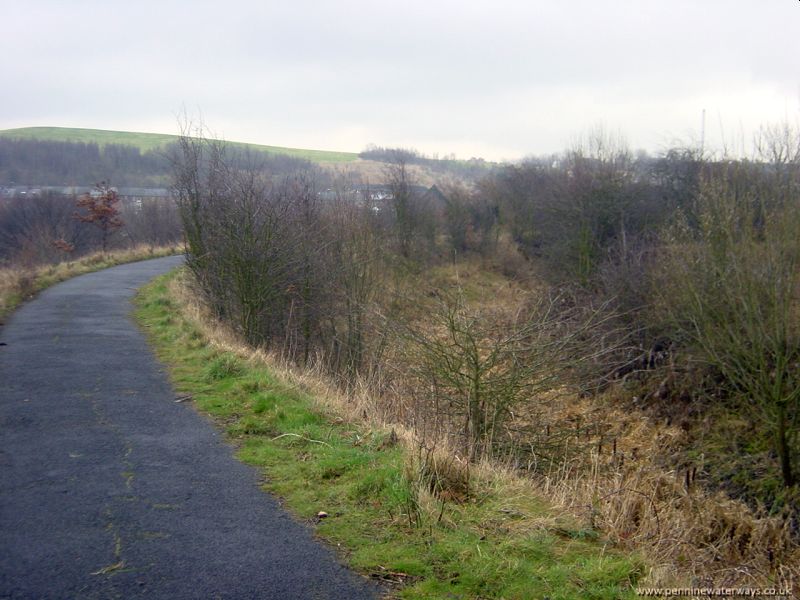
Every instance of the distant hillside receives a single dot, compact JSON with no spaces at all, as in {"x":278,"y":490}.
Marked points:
{"x":152,"y":141}
{"x":62,"y":156}
{"x":37,"y":163}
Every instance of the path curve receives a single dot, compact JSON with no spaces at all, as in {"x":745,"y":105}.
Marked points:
{"x":110,"y":489}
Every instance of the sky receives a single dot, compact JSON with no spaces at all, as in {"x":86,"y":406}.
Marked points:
{"x":499,"y":80}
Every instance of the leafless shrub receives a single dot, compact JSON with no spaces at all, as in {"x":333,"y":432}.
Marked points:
{"x":414,"y":222}
{"x":30,"y":226}
{"x":153,"y":221}
{"x":730,"y":287}
{"x":469,"y":370}
{"x":294,"y":269}
{"x":470,"y":219}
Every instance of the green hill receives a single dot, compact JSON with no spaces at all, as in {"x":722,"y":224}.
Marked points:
{"x":150,"y":141}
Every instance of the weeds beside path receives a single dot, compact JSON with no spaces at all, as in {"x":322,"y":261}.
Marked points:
{"x":360,"y":487}
{"x":18,"y":284}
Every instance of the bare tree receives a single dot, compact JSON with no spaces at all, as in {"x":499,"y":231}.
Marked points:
{"x":235,"y":221}
{"x":469,"y":218}
{"x":414,"y":223}
{"x":729,"y":286}
{"x":290,"y":267}
{"x":402,"y":203}
{"x":30,"y":226}
{"x":359,"y":257}
{"x":478,"y":368}
{"x":153,"y":221}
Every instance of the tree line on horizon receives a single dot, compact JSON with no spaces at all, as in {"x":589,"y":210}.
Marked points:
{"x":55,"y":163}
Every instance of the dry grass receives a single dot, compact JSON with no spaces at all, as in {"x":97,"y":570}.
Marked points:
{"x":397,"y":509}
{"x":688,"y":534}
{"x":616,"y":472}
{"x":373,"y":171}
{"x":437,"y":471}
{"x":615,"y":485}
{"x":18,"y":284}
{"x":355,"y":406}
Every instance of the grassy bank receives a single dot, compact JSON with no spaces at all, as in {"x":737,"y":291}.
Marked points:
{"x":425,"y":526}
{"x":18,"y":284}
{"x":153,"y":141}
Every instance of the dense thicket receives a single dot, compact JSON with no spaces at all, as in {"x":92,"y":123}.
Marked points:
{"x":700,"y":258}
{"x":47,"y":228}
{"x":676,"y":276}
{"x":289,"y":271}
{"x":29,"y":229}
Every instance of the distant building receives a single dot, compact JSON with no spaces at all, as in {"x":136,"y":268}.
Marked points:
{"x":378,"y":196}
{"x":134,"y":194}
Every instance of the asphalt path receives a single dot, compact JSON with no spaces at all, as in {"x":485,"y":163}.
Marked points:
{"x":111,"y":489}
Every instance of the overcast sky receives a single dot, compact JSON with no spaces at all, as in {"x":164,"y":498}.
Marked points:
{"x":500,"y":79}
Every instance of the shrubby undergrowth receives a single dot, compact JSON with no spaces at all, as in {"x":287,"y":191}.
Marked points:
{"x":673,"y":278}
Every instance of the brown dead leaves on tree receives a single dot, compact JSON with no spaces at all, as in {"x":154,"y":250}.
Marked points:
{"x":102,"y":211}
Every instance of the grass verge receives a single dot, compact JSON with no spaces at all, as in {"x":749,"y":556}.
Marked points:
{"x":501,"y":540}
{"x":18,"y":284}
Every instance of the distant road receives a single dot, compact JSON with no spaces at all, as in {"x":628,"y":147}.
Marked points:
{"x":110,"y":489}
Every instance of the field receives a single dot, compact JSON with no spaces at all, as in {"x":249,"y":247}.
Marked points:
{"x":152,"y":141}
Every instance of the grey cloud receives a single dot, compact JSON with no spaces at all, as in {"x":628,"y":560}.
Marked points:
{"x":505,"y":74}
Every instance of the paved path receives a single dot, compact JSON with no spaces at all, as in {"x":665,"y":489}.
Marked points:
{"x":109,"y":489}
